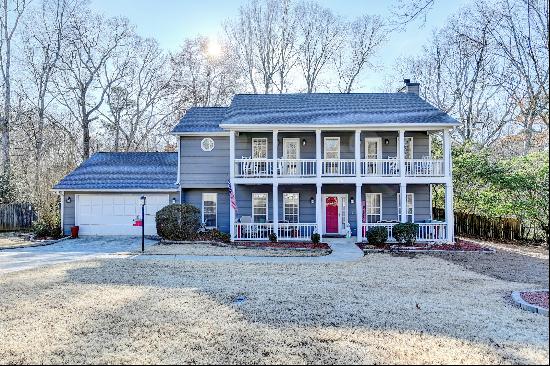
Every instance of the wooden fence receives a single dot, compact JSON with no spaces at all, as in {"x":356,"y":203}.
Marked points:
{"x":477,"y":226}
{"x":16,"y":216}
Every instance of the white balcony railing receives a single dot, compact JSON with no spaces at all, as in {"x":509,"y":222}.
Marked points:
{"x":296,"y":167}
{"x":380,"y":167}
{"x":424,"y":168}
{"x":253,"y":231}
{"x":433,"y":231}
{"x":297,"y":231}
{"x":338,"y":167}
{"x":253,"y":168}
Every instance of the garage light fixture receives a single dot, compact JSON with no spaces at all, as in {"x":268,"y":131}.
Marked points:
{"x":68,"y":199}
{"x":174,"y":200}
{"x":312,"y":200}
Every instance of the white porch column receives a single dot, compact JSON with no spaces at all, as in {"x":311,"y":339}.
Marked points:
{"x":318,"y":154}
{"x":449,"y":212}
{"x":275,"y":147}
{"x":447,"y":152}
{"x":319,"y":210}
{"x":401,"y":154}
{"x":232,"y":182}
{"x":403,"y":202}
{"x":62,"y":213}
{"x":276,"y":209}
{"x":357,"y":153}
{"x":359,"y":211}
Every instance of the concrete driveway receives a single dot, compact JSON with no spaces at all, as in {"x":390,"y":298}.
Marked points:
{"x":67,"y":251}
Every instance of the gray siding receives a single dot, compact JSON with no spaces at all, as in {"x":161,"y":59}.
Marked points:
{"x":422,"y":204}
{"x":198,"y":168}
{"x":194,"y":197}
{"x":421,"y":143}
{"x":68,"y":213}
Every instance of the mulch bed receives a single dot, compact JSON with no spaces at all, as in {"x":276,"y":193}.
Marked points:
{"x":281,"y":245}
{"x":538,"y":298}
{"x":460,"y":246}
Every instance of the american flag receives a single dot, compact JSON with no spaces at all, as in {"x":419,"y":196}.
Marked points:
{"x":232,"y":198}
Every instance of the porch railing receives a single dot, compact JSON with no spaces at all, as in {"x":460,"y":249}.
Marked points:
{"x":253,"y":231}
{"x":380,"y":167}
{"x":338,"y":167}
{"x":424,"y":168}
{"x":297,"y":231}
{"x":296,"y":167}
{"x":433,"y":231}
{"x":253,"y":168}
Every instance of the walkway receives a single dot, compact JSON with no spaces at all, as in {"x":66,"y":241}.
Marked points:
{"x":343,"y":250}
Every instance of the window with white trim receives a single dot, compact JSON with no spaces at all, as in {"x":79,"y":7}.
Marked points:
{"x":207,"y":144}
{"x":210,"y":209}
{"x":410,"y":207}
{"x":409,"y":143}
{"x":259,"y":207}
{"x":259,"y":148}
{"x":291,"y":206}
{"x":373,"y":207}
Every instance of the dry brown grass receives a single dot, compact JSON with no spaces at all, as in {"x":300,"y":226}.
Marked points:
{"x":382,"y":309}
{"x":217,"y":250}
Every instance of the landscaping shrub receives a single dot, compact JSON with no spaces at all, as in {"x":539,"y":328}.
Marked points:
{"x":315,"y":238}
{"x":377,"y":235}
{"x":272,"y":237}
{"x":178,"y":222}
{"x":47,"y":226}
{"x":405,"y":233}
{"x":215,"y":235}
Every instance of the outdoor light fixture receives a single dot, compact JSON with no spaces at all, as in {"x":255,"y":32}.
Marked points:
{"x":312,"y":200}
{"x":68,"y":199}
{"x":143,"y":199}
{"x":352,"y":200}
{"x":386,"y":141}
{"x":304,"y":142}
{"x":174,"y":200}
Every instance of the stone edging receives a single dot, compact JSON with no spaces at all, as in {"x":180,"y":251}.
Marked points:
{"x":518,"y":300}
{"x":42,"y":243}
{"x":492,"y":251}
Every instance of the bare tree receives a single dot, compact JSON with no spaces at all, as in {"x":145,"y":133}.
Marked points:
{"x":93,"y":42}
{"x":11,"y":13}
{"x":320,"y":38}
{"x":364,"y":37}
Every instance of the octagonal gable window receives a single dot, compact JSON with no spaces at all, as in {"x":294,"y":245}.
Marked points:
{"x":207,"y":144}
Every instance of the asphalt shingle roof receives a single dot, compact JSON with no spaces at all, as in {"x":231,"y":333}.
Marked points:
{"x":333,"y":108}
{"x":201,"y":119}
{"x":124,"y":170}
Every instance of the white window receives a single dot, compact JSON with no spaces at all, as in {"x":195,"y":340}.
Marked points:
{"x":291,"y":204}
{"x":409,"y":142}
{"x":210,"y":209}
{"x":259,"y":148}
{"x":373,"y":207}
{"x":332,"y":147}
{"x":373,"y":148}
{"x":410,"y":207}
{"x":259,"y":207}
{"x":207,"y":144}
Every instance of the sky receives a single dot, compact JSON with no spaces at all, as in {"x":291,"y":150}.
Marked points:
{"x":171,"y":21}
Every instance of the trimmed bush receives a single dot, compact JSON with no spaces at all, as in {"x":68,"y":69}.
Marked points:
{"x":220,"y":236}
{"x":315,"y":238}
{"x":272,"y":237}
{"x":377,"y":235}
{"x":47,"y":226}
{"x":178,"y":222}
{"x":405,"y":233}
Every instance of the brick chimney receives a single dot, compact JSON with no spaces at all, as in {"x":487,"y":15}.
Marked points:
{"x":411,"y":87}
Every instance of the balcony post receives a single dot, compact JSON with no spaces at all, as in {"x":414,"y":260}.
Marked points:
{"x":403,"y":202}
{"x":275,"y":147}
{"x":318,"y":161}
{"x":401,"y":154}
{"x":359,"y":211}
{"x":449,"y":212}
{"x":447,"y":152}
{"x":357,"y":153}
{"x":276,"y":209}
{"x":319,"y":210}
{"x":232,"y":182}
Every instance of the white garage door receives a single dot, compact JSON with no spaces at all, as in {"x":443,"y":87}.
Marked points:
{"x":114,"y":214}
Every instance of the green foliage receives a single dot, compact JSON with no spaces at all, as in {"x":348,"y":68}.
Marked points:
{"x":178,"y":222}
{"x":7,"y":189}
{"x":516,"y":187}
{"x":272,"y":237}
{"x":219,"y":236}
{"x":48,"y":225}
{"x":315,"y":238}
{"x":405,"y":232}
{"x":377,"y":235}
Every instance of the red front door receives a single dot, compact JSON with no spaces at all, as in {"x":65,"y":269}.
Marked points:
{"x":331,"y":215}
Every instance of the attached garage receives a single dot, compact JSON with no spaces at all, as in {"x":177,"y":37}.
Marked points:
{"x":103,"y":195}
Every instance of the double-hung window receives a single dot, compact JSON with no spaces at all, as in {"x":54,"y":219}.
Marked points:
{"x":259,"y":148}
{"x":210,"y":209}
{"x":259,"y":207}
{"x":410,"y":207}
{"x":373,"y":207}
{"x":409,"y":143}
{"x":291,"y":203}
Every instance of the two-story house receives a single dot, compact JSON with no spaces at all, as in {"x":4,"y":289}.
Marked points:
{"x":336,"y":164}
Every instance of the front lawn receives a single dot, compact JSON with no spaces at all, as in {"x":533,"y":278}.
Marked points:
{"x":264,"y":249}
{"x":381,"y":309}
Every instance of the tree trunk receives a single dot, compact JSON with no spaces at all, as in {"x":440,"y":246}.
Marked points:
{"x":85,"y":138}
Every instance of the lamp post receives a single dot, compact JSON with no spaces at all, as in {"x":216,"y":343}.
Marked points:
{"x":143,"y":199}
